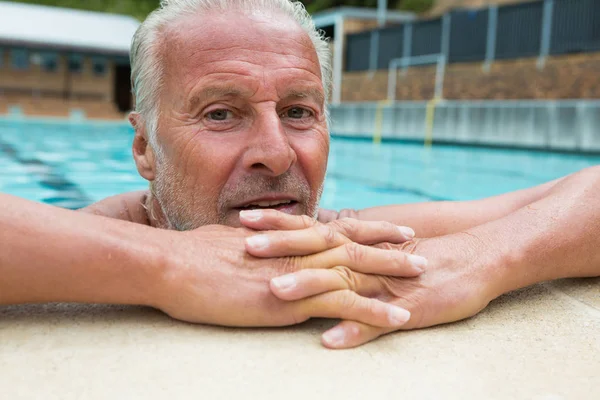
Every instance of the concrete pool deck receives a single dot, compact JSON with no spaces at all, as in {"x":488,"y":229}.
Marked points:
{"x":542,"y":343}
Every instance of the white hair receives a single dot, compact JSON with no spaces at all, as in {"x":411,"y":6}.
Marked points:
{"x":147,"y":66}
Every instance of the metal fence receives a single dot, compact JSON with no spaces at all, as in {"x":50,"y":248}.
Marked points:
{"x":530,"y":29}
{"x":545,"y":125}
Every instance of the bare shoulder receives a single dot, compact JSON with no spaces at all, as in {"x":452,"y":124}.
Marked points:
{"x":126,"y":206}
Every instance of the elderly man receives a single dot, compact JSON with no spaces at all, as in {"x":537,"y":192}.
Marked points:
{"x":231,"y":133}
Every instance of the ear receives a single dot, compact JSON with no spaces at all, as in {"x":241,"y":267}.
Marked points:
{"x":143,"y":154}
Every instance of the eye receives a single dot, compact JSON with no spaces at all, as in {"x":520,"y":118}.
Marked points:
{"x":297,"y":113}
{"x":219,"y":115}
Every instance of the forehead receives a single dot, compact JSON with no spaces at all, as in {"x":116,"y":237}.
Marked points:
{"x":256,"y":46}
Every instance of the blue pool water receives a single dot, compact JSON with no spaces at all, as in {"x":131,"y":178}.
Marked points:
{"x":72,"y":165}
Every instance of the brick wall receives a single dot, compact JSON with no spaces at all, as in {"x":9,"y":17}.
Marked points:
{"x":87,"y":83}
{"x":565,"y":77}
{"x":34,"y":78}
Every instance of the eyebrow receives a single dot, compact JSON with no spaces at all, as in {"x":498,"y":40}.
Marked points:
{"x":214,"y":92}
{"x":314,"y":93}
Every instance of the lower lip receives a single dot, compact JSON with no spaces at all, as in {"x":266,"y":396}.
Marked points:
{"x":289,"y":208}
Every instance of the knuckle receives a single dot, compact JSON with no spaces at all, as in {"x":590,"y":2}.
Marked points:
{"x":328,"y":234}
{"x":355,"y":252}
{"x":348,"y":213}
{"x":348,"y":300}
{"x":307,"y":222}
{"x":327,"y":215}
{"x":346,"y":226}
{"x":348,"y":277}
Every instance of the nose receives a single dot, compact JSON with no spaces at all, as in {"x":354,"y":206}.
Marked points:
{"x":269,"y":151}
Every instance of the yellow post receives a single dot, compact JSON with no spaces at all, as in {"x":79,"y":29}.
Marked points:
{"x":377,"y":133}
{"x":429,"y":119}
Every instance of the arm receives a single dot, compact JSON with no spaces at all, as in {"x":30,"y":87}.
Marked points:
{"x":556,"y":236}
{"x":126,"y":207}
{"x":445,"y":217}
{"x":48,"y":254}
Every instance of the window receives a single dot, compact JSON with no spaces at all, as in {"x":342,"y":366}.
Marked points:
{"x":99,"y":65}
{"x":76,"y":63}
{"x":49,"y":62}
{"x":20,"y":59}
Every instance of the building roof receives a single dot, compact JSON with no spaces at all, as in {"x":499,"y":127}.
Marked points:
{"x":328,"y":17}
{"x":62,"y":28}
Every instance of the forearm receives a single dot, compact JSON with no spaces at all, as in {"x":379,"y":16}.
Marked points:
{"x":49,"y":254}
{"x":446,"y":217}
{"x":129,"y":207}
{"x":556,"y":237}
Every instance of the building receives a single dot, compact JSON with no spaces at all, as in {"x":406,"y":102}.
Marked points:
{"x":342,"y":21}
{"x":55,"y":60}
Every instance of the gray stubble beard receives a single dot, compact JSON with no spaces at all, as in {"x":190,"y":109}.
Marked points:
{"x":173,"y":211}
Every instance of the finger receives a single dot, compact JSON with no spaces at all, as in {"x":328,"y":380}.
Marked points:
{"x":321,"y":237}
{"x":295,"y":243}
{"x":326,"y":216}
{"x":365,"y":259}
{"x":311,"y":282}
{"x":268,"y":219}
{"x":372,"y":232}
{"x":349,"y":334}
{"x":345,"y":304}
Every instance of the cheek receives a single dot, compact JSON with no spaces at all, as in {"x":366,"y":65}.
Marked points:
{"x":205,"y":164}
{"x":312,"y":155}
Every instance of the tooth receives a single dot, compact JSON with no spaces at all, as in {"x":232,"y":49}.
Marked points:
{"x":270,"y":203}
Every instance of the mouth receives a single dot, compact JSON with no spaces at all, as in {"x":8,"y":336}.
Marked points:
{"x":281,"y":204}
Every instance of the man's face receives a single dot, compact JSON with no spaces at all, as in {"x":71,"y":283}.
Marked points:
{"x":242,"y":123}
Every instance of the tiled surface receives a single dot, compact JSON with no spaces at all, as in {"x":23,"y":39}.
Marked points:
{"x":531,"y":344}
{"x":585,"y":291}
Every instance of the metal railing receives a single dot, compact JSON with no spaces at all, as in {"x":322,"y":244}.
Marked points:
{"x":569,"y":125}
{"x":530,"y":29}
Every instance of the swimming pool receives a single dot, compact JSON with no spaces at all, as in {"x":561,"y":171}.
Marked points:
{"x":74,"y":164}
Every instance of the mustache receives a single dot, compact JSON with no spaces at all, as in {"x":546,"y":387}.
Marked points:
{"x":253,"y":186}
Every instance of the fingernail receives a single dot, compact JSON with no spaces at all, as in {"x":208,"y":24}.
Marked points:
{"x":335,"y":337}
{"x":258,"y":242}
{"x":285,"y":282}
{"x":417,"y":261}
{"x":251,"y":215}
{"x":406,"y":231}
{"x":398,"y":316}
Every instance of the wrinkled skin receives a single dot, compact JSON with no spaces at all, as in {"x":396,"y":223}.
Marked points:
{"x":242,"y":119}
{"x":457,"y":282}
{"x":233,"y":288}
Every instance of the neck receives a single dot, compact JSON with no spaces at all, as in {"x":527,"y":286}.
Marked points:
{"x":155,"y":213}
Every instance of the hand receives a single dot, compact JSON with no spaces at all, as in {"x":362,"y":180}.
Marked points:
{"x":456,"y":284}
{"x":232,"y":287}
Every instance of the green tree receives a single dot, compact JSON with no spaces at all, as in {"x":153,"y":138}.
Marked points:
{"x":137,"y":8}
{"x":408,"y":5}
{"x":141,"y":8}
